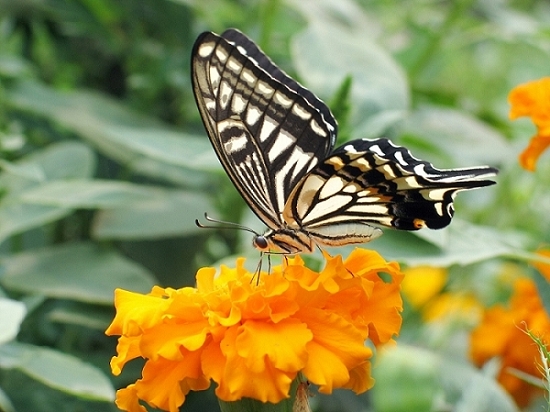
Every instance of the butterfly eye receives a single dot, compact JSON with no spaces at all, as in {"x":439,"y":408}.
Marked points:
{"x":260,"y":242}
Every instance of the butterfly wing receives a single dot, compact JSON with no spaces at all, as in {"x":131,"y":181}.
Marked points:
{"x":267,"y":130}
{"x":376,"y":182}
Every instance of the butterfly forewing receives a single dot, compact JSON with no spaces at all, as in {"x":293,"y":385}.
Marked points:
{"x":266,"y":130}
{"x":249,"y":48}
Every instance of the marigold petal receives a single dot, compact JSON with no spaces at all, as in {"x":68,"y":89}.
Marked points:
{"x":167,"y":340}
{"x":268,"y":301}
{"x":383,"y":311}
{"x":128,"y":400}
{"x":283,"y":344}
{"x":205,"y":279}
{"x":309,"y":280}
{"x":422,"y":283}
{"x":325,"y":368}
{"x":361,"y":379}
{"x":529,"y":157}
{"x":213,"y":359}
{"x":363,"y":262}
{"x":135,"y":312}
{"x":165,"y":383}
{"x":336,"y":348}
{"x":531,"y":99}
{"x":270,"y":385}
{"x":235,"y":380}
{"x":127,"y":349}
{"x":491,"y":339}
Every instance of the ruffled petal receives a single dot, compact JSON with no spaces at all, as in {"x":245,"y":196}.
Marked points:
{"x":282,"y":344}
{"x":529,"y":157}
{"x":127,"y":349}
{"x":127,"y":399}
{"x":361,"y":379}
{"x":532,"y":99}
{"x":135,"y":312}
{"x":336,"y":348}
{"x":165,"y":383}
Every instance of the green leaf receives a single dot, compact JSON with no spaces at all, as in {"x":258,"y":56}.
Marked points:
{"x":12,"y":66}
{"x":12,"y":314}
{"x":325,"y":55}
{"x":25,"y":171}
{"x":341,"y":107}
{"x":133,"y":139}
{"x":68,"y":160}
{"x":410,"y":379}
{"x":543,"y":287}
{"x":172,"y":214}
{"x":5,"y":403}
{"x":17,"y":218}
{"x":57,"y":370}
{"x":92,"y":194}
{"x":80,"y":271}
{"x":460,"y":243}
{"x":457,"y":136}
{"x":133,"y":211}
{"x":87,"y":316}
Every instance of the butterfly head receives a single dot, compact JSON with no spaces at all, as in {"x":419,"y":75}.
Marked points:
{"x":261,"y":243}
{"x":284,"y":240}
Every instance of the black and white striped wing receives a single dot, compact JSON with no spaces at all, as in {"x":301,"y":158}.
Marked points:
{"x":375,"y":182}
{"x":267,"y":130}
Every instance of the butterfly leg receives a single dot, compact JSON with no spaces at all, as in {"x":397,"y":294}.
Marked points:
{"x":258,"y":270}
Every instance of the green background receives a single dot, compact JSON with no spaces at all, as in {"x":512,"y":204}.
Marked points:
{"x":105,"y":165}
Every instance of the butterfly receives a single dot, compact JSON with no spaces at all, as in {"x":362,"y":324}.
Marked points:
{"x":275,"y":139}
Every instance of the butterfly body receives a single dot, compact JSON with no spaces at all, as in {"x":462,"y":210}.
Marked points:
{"x":276,"y":141}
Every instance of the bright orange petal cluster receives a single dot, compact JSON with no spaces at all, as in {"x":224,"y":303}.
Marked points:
{"x":253,"y":338}
{"x":502,"y":334}
{"x":532,"y":99}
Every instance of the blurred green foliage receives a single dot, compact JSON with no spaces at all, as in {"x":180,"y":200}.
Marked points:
{"x":105,"y":165}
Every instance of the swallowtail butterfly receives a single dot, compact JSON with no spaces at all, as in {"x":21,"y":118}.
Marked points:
{"x":275,"y":140}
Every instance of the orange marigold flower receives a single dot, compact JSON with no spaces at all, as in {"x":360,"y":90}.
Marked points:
{"x":532,"y":99}
{"x":423,"y":286}
{"x":423,"y":283}
{"x":502,"y":334}
{"x":253,"y":338}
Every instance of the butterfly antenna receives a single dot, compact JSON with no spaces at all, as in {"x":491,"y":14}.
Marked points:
{"x":220,"y":224}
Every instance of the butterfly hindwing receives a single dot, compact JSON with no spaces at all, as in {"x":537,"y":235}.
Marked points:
{"x":368,"y":182}
{"x":267,"y":130}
